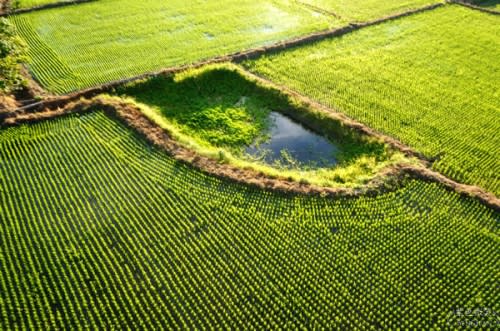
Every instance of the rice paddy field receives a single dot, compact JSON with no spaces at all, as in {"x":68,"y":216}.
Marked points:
{"x":101,"y":230}
{"x":430,"y":80}
{"x":102,"y":227}
{"x":120,"y":39}
{"x":32,"y":3}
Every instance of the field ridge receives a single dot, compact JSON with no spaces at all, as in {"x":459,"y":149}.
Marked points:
{"x":132,"y":116}
{"x":402,"y":79}
{"x":319,"y":9}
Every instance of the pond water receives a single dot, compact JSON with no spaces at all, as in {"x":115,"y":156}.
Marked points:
{"x":291,"y":144}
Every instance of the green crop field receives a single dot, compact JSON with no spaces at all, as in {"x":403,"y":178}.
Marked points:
{"x":153,"y":205}
{"x":363,"y":10}
{"x":430,"y":80}
{"x":102,"y":231}
{"x":122,"y":38}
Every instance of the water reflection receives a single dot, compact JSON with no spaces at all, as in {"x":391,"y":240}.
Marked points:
{"x":291,"y":144}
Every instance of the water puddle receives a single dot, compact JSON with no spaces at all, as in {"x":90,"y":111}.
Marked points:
{"x":208,"y":36}
{"x":290,"y":144}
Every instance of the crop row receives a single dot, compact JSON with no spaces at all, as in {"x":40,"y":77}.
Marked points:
{"x":100,"y":230}
{"x":429,"y":80}
{"x":104,"y":41}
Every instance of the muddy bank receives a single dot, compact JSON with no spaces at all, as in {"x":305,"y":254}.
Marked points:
{"x":388,"y":179}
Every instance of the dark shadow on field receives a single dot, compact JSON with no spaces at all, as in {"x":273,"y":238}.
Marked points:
{"x":487,"y":3}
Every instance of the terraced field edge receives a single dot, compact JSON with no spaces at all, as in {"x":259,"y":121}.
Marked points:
{"x":130,"y":115}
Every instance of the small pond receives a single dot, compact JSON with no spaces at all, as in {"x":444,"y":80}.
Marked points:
{"x":291,"y":144}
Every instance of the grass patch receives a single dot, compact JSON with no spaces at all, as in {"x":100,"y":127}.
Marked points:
{"x":216,"y":106}
{"x":203,"y":109}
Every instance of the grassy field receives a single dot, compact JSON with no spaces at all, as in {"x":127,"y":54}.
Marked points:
{"x":123,"y":38}
{"x":430,"y":80}
{"x":364,"y":10}
{"x":100,"y":230}
{"x":217,"y":110}
{"x":215,"y":104}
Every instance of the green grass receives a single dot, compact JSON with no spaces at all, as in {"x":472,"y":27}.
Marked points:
{"x":364,"y":10}
{"x":81,"y":46}
{"x":430,"y":80}
{"x":215,"y":104}
{"x":99,"y":230}
{"x":219,"y":110}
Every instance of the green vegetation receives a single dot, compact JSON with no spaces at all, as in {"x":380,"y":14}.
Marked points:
{"x":430,"y":80}
{"x":217,"y":110}
{"x":12,"y":55}
{"x":215,"y":104}
{"x":100,"y":230}
{"x":80,"y":46}
{"x":364,"y":10}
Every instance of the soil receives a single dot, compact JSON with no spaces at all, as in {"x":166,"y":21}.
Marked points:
{"x":7,"y":103}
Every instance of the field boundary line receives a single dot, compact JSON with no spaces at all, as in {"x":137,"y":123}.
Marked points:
{"x":43,"y":7}
{"x":386,"y":180}
{"x":318,"y":9}
{"x":133,"y":117}
{"x":243,"y":55}
{"x":472,"y":6}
